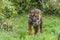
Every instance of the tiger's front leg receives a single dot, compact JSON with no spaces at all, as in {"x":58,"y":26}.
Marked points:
{"x":30,"y":29}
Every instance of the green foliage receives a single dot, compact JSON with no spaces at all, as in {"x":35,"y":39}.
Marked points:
{"x":1,"y":4}
{"x":8,"y":9}
{"x":47,"y":6}
{"x":12,"y":8}
{"x":51,"y":7}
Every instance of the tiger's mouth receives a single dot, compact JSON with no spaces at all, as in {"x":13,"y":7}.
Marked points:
{"x":35,"y":23}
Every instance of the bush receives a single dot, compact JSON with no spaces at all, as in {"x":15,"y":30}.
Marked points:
{"x":13,"y":8}
{"x":51,"y":7}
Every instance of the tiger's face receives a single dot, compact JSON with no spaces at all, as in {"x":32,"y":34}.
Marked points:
{"x":34,"y":14}
{"x":34,"y":17}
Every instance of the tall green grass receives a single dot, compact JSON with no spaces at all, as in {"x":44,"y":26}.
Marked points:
{"x":51,"y":25}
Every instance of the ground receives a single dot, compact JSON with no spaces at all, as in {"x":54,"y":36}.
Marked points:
{"x":51,"y":26}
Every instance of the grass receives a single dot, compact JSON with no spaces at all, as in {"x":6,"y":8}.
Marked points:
{"x":51,"y":25}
